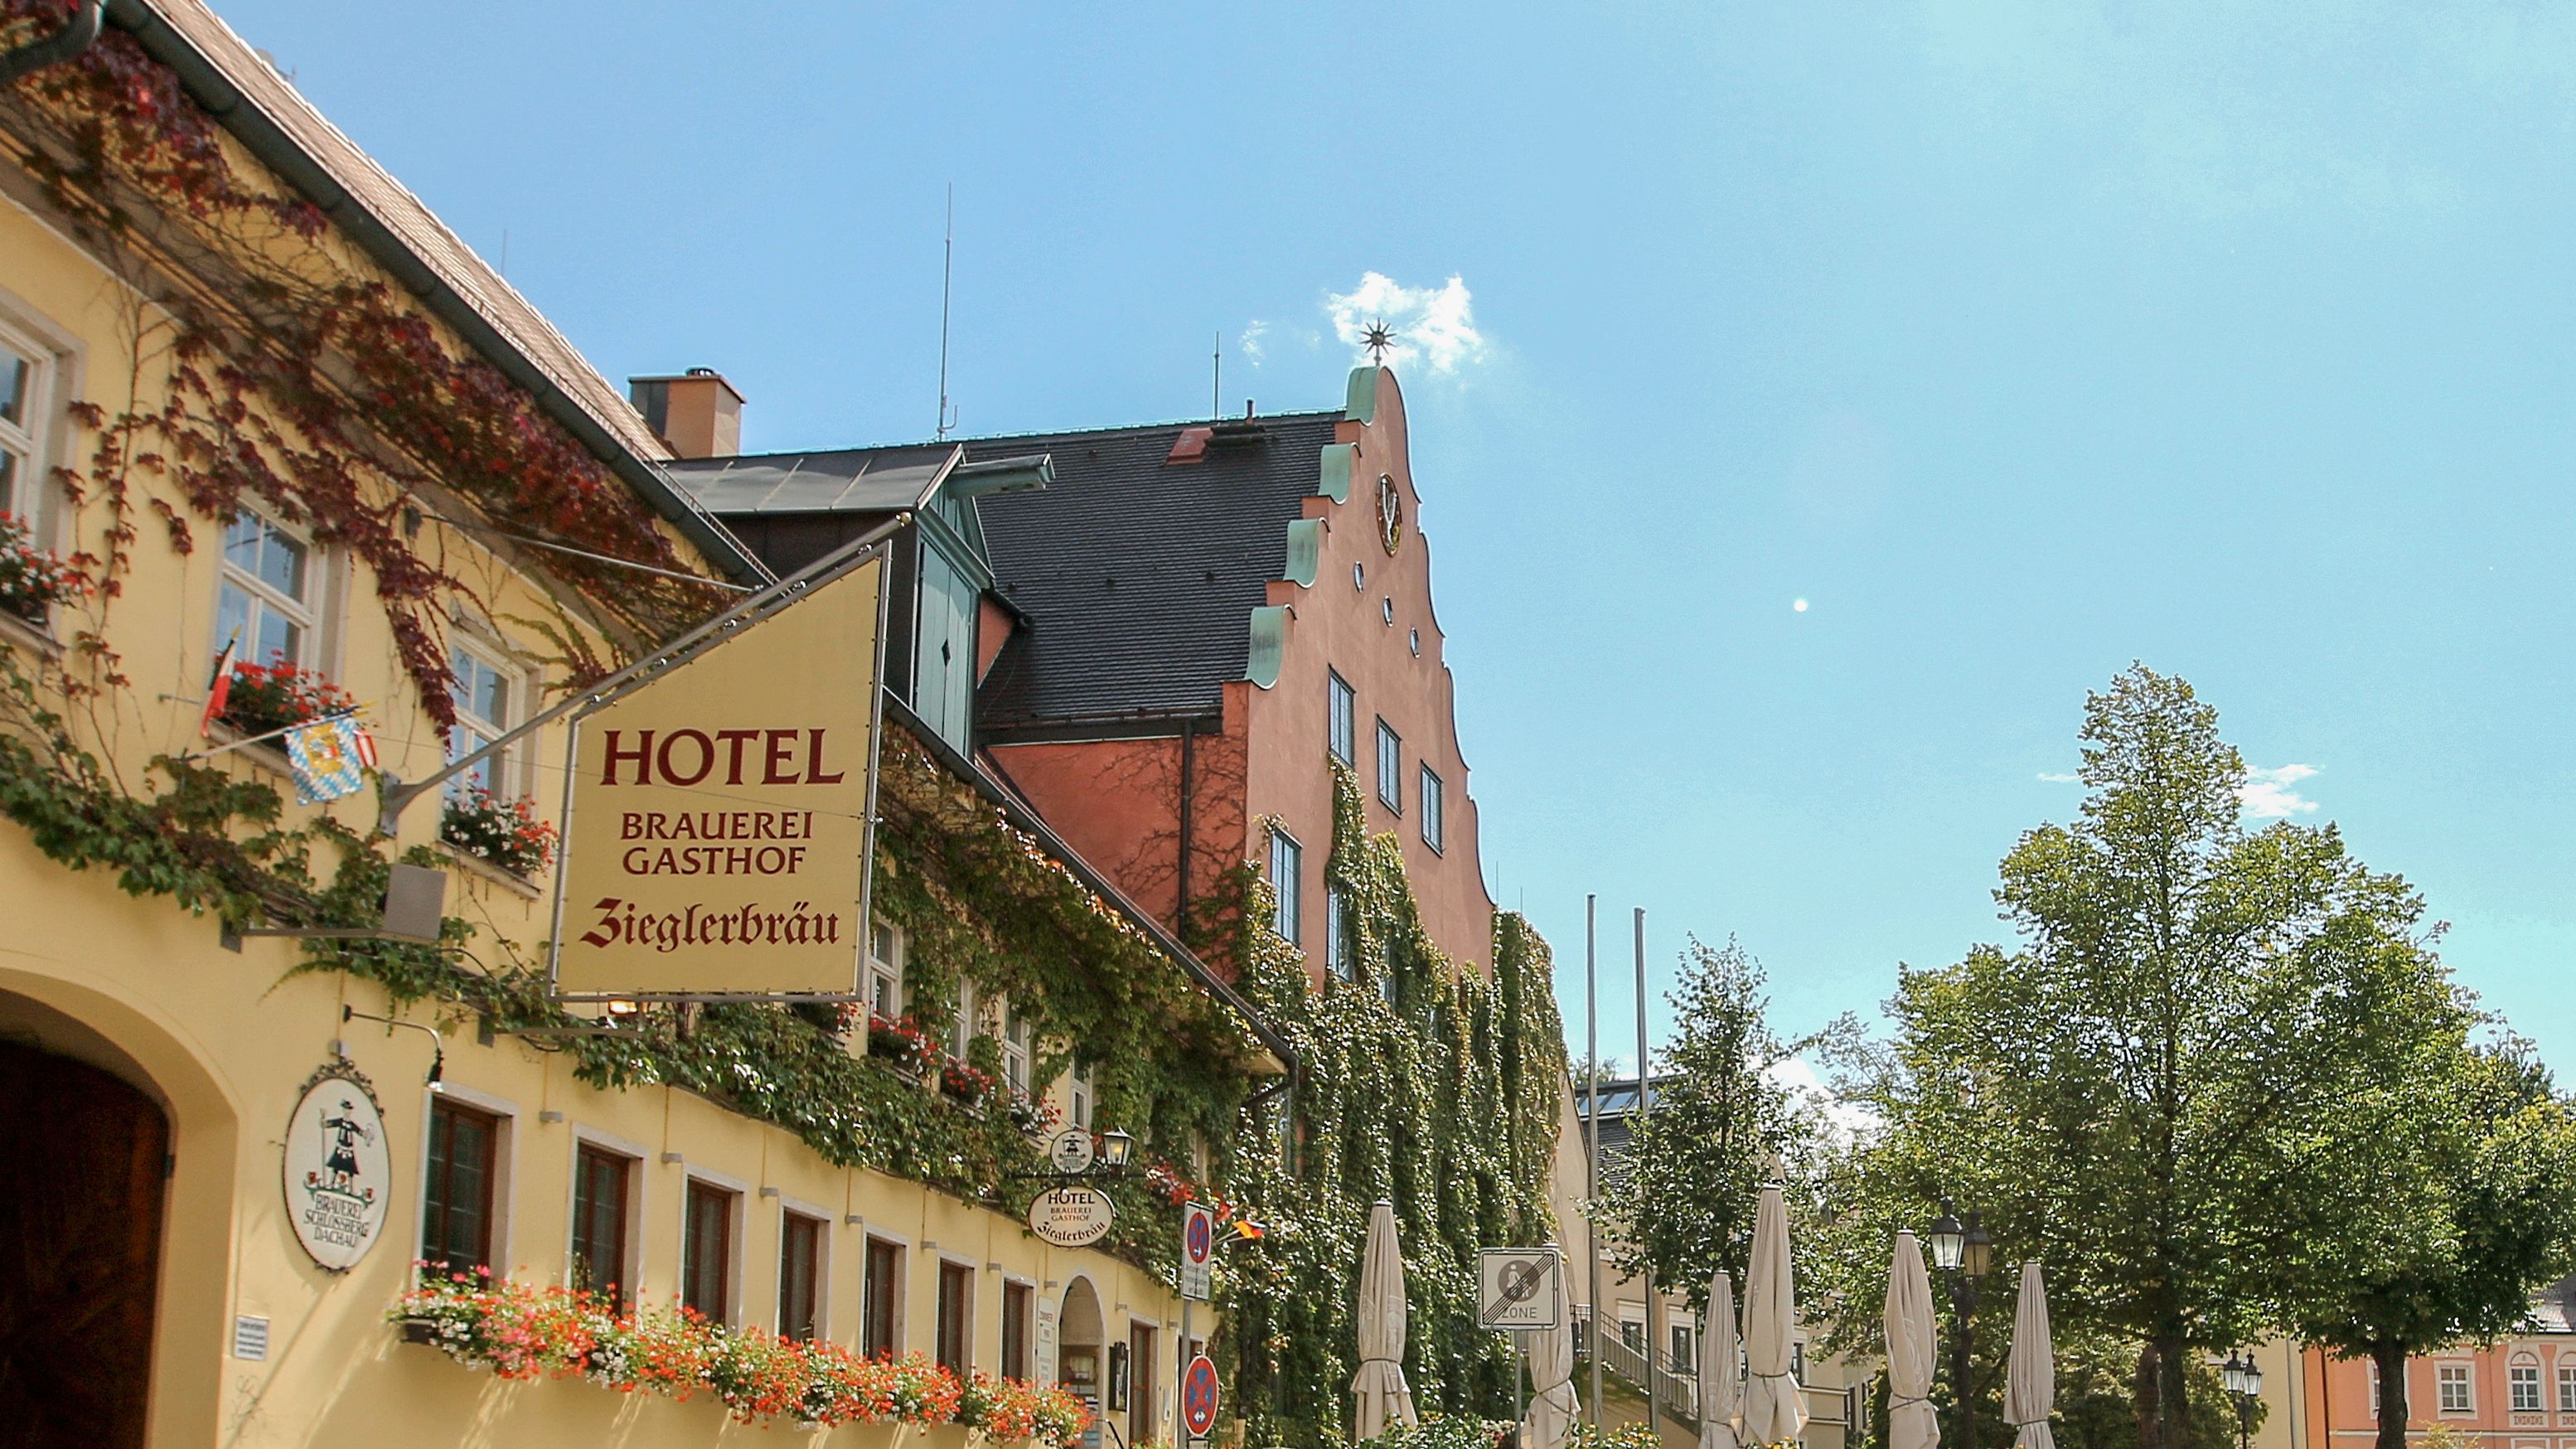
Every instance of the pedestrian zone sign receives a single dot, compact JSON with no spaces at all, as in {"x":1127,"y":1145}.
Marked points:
{"x":1520,"y":1288}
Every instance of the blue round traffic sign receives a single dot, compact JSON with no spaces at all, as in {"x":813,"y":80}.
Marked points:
{"x":1200,"y":1234}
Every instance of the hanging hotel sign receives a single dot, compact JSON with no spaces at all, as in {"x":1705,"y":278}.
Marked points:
{"x":339,"y":1171}
{"x":1070,"y":1217}
{"x":716,"y":838}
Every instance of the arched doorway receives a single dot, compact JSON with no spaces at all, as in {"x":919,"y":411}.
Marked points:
{"x":1079,"y":1356}
{"x":83,"y":1161}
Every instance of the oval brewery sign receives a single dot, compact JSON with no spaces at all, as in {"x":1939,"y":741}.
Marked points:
{"x":338,"y":1167}
{"x":1070,"y":1217}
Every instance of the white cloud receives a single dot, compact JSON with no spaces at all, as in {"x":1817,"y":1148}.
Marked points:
{"x":1435,"y":324}
{"x":1847,"y":1119}
{"x":1250,"y":341}
{"x":2268,"y":794}
{"x":2055,"y":778}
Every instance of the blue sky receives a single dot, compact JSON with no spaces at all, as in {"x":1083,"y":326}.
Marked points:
{"x":2020,"y":339}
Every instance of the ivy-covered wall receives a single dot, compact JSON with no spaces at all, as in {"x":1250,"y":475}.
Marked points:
{"x":1427,"y":1085}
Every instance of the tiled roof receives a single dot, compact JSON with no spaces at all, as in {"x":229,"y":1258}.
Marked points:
{"x":1140,"y":577}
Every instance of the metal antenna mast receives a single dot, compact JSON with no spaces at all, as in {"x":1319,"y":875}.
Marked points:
{"x":1216,"y":384}
{"x":947,"y":274}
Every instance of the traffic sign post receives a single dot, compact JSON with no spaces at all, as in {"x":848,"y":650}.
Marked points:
{"x":1520,"y":1288}
{"x":1198,"y":1397}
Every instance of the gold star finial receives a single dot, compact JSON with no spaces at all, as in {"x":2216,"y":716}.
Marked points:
{"x":1378,"y":339}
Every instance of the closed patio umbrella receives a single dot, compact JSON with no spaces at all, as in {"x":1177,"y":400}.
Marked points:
{"x":1553,"y":1408}
{"x":2030,"y":1389}
{"x":1383,"y":1394}
{"x":1720,"y":1403}
{"x":1910,"y":1352}
{"x":1774,"y":1411}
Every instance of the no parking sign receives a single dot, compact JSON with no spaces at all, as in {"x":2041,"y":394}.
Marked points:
{"x":1198,"y":1245}
{"x":1198,"y":1397}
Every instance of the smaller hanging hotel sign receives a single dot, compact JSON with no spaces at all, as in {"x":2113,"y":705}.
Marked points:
{"x":339,"y":1170}
{"x":716,"y":826}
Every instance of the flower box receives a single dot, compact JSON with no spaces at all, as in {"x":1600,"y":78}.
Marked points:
{"x":901,"y":1041}
{"x":267,"y":698}
{"x":32,"y":580}
{"x":504,"y":834}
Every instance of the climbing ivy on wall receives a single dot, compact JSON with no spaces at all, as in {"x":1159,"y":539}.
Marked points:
{"x":1426,"y":1084}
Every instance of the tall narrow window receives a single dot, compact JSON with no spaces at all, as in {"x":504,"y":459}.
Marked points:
{"x":456,"y":1202}
{"x":269,"y":595}
{"x":1337,"y":936}
{"x":2566,"y":1389}
{"x":961,"y":1032}
{"x":1345,"y":713}
{"x":1077,"y":1095}
{"x":1287,"y":870}
{"x":956,"y":1299}
{"x":1433,"y":805}
{"x":1390,"y":768}
{"x":1018,"y":1035}
{"x":883,"y":1285}
{"x":2523,"y":1383}
{"x":800,"y":1276}
{"x":1016,"y":1298}
{"x":2451,"y":1383}
{"x":487,"y":700}
{"x":885,"y":969}
{"x":601,"y":1183}
{"x":706,"y":1251}
{"x":22,"y":370}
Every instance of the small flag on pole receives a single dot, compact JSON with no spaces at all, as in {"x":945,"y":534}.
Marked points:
{"x":219,"y":687}
{"x":331,"y":758}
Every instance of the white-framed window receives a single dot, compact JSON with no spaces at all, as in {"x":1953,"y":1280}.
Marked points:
{"x":1681,"y":1348}
{"x":885,"y":969}
{"x":1390,"y":767}
{"x":1077,"y":1095}
{"x":2522,"y":1388}
{"x":961,"y":1029}
{"x":271,"y":597}
{"x":1018,"y":1034}
{"x":1337,"y":936}
{"x":26,"y":399}
{"x":490,"y":702}
{"x":1432,"y":808}
{"x":2567,"y":1388}
{"x":1345,"y":728}
{"x":2454,"y":1392}
{"x":1287,"y":871}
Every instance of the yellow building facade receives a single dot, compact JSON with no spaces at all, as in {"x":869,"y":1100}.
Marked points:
{"x":154,"y":1058}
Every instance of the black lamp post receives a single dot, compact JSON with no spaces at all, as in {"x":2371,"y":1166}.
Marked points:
{"x":1963,"y":1252}
{"x":2244,"y":1380}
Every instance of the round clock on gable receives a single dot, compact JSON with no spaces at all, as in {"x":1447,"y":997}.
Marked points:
{"x":1390,"y":512}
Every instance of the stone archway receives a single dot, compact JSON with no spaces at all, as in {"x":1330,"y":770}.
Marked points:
{"x":1082,"y":1355}
{"x":83,"y":1163}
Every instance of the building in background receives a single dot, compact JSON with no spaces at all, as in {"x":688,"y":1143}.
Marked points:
{"x":2516,"y":1393}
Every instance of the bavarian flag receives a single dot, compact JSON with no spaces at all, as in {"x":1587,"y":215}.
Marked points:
{"x":331,"y":757}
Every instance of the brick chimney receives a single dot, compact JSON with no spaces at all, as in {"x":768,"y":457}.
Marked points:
{"x":698,"y":413}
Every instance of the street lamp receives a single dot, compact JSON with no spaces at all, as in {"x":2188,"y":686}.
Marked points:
{"x":1963,"y":1250}
{"x":1114,"y":1147}
{"x":2244,"y":1380}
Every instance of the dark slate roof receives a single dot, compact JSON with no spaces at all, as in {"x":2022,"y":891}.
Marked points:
{"x":844,"y":480}
{"x":1139,"y":579}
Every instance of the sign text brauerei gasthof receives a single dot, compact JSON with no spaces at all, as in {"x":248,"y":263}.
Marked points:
{"x":716,"y":836}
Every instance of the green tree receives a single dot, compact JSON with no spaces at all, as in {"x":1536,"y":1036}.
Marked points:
{"x":1722,"y":1123}
{"x":2175,"y":1087}
{"x":2487,"y":1173}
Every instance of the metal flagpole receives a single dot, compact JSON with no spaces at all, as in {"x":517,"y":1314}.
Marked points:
{"x":1644,"y":1104}
{"x":1592,"y":1141}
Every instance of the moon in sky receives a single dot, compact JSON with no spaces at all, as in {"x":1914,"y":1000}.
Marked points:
{"x":1799,"y":605}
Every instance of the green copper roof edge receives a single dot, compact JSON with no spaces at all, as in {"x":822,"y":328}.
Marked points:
{"x":1305,"y":551}
{"x":1333,"y":477}
{"x":1269,"y":644}
{"x":1361,"y":405}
